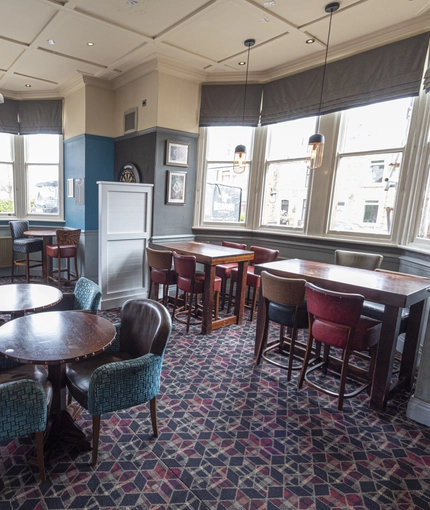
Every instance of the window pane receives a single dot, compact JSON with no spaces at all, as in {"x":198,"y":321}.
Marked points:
{"x":42,"y":184}
{"x":42,"y":149}
{"x":378,"y":126}
{"x":226,"y":192}
{"x":289,"y":140}
{"x":6,"y":148}
{"x":6,"y":188}
{"x":365,"y":193}
{"x":286,"y":192}
{"x":222,"y":142}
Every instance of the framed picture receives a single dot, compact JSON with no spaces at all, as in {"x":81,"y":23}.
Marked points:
{"x":177,"y":153}
{"x":176,"y":187}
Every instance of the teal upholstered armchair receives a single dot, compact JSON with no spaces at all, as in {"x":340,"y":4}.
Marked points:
{"x":86,"y":296}
{"x":128,"y":374}
{"x":23,"y":410}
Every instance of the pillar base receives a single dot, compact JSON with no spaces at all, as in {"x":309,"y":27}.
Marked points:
{"x":418,"y":410}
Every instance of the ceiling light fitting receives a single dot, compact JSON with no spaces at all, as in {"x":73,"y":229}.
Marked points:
{"x":310,"y":41}
{"x":315,"y":153}
{"x":239,"y":163}
{"x":90,"y":43}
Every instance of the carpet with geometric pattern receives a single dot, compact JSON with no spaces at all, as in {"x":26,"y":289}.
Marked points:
{"x":233,"y":435}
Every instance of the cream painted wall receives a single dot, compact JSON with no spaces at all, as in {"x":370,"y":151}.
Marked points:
{"x":74,"y":114}
{"x":131,"y":96}
{"x":178,"y":103}
{"x":99,"y":111}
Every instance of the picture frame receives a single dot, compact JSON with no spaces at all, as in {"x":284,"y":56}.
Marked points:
{"x":177,"y":153}
{"x":176,"y":187}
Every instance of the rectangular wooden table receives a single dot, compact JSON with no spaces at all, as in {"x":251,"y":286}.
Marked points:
{"x":210,"y":255}
{"x":394,"y":290}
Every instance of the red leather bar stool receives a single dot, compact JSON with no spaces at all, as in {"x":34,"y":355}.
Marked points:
{"x":66,"y":248}
{"x":160,"y":264}
{"x":224,"y":270}
{"x":192,"y":283}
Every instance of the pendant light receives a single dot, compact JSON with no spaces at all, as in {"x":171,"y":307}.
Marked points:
{"x":239,"y":163}
{"x":315,"y":153}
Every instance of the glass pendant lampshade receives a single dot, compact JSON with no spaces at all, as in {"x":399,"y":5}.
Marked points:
{"x":239,"y":162}
{"x":315,"y":152}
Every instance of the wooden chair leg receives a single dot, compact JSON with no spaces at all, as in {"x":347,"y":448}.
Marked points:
{"x":153,"y":409}
{"x":96,"y":436}
{"x":254,"y":303}
{"x":230,"y":296}
{"x":223,"y":289}
{"x":27,"y":267}
{"x":40,"y":457}
{"x":76,"y":268}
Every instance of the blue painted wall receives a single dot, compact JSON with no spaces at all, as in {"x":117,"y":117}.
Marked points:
{"x":90,"y":158}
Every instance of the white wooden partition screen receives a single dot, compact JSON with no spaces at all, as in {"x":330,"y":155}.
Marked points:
{"x":125,"y":213}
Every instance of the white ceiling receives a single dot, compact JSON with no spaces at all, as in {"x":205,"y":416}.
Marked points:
{"x":203,"y":37}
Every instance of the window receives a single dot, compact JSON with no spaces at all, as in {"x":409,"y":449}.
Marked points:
{"x":226,"y":192}
{"x":30,"y":179}
{"x":287,"y":177}
{"x":371,"y":144}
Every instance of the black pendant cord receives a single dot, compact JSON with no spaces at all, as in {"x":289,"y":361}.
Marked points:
{"x":325,"y":61}
{"x":248,"y":43}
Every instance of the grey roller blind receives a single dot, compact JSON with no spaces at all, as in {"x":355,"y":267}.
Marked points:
{"x":222,"y":105}
{"x":427,"y":80}
{"x":388,"y":72}
{"x":40,"y":116}
{"x":9,"y":117}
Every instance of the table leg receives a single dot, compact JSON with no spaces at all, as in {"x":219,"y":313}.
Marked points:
{"x":261,"y":318}
{"x":208,"y":299}
{"x":239,"y":304}
{"x":385,"y":358}
{"x":413,"y":334}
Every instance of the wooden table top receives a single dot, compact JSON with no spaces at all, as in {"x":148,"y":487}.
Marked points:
{"x":40,"y":233}
{"x":28,"y":297}
{"x":389,"y":288}
{"x":51,"y":338}
{"x":207,"y":253}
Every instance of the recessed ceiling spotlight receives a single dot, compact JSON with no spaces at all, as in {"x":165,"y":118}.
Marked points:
{"x":310,"y":41}
{"x":90,"y":44}
{"x":27,"y":85}
{"x":242,"y":63}
{"x":50,"y":41}
{"x":269,"y":4}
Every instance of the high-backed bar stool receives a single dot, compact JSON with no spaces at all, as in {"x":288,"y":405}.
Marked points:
{"x":224,"y":270}
{"x":24,"y":245}
{"x":261,"y":255}
{"x":335,"y":320}
{"x":66,"y":248}
{"x":161,"y":271}
{"x":285,"y":305}
{"x":192,"y":283}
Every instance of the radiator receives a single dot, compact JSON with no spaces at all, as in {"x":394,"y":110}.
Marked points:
{"x":5,"y":251}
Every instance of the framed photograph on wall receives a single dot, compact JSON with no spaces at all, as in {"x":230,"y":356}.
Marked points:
{"x":177,"y":153}
{"x":176,"y":187}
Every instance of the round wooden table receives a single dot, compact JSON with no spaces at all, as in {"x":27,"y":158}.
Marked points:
{"x":18,"y":298}
{"x":53,"y":339}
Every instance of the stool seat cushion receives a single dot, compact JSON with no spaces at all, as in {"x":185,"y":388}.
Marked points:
{"x":224,"y":270}
{"x":284,"y":314}
{"x":66,"y":251}
{"x":27,"y":245}
{"x":163,"y":276}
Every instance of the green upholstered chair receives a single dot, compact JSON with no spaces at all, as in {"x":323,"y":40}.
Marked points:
{"x":128,"y":373}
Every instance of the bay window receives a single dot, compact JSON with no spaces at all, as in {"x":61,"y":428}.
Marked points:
{"x":31,"y":176}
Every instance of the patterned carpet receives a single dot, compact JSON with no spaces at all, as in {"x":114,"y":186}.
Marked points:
{"x":232,"y":436}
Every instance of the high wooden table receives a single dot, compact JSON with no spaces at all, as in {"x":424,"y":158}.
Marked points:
{"x":210,"y":255}
{"x":394,"y":290}
{"x":53,"y":339}
{"x":18,"y":298}
{"x":47,"y":236}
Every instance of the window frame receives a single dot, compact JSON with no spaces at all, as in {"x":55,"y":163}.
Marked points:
{"x":20,"y":179}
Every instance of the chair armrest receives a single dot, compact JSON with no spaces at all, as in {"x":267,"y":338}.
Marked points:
{"x":23,"y":408}
{"x":124,"y":384}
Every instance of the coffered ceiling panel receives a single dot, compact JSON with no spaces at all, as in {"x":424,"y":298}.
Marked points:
{"x":43,"y":43}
